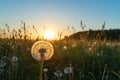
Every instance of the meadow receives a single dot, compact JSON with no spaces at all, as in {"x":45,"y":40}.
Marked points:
{"x":88,"y":59}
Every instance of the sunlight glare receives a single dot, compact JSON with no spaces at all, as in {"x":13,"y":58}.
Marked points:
{"x":49,"y":34}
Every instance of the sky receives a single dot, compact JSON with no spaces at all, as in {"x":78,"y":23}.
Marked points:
{"x":59,"y":14}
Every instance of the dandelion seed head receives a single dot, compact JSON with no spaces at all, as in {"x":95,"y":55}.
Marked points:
{"x":74,"y":45}
{"x":64,"y":47}
{"x":58,"y":73}
{"x":2,"y":63}
{"x":14,"y":58}
{"x":98,"y":54}
{"x":90,"y":49}
{"x":45,"y":70}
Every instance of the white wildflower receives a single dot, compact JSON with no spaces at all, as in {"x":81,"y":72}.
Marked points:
{"x":58,"y":73}
{"x":15,"y":59}
{"x":45,"y":70}
{"x":64,"y":47}
{"x":68,"y":70}
{"x":98,"y":54}
{"x":2,"y":63}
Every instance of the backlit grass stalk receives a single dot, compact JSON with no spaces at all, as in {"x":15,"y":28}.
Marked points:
{"x":103,"y":76}
{"x":115,"y":73}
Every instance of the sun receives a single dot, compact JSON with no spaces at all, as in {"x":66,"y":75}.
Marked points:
{"x":49,"y":34}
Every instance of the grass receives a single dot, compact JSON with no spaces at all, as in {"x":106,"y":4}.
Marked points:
{"x":101,"y":62}
{"x":90,"y":59}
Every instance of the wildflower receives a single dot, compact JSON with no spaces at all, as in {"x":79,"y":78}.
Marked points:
{"x":58,"y":73}
{"x":98,"y":54}
{"x":15,"y":59}
{"x":90,"y":49}
{"x":68,"y":70}
{"x":45,"y":70}
{"x":2,"y":64}
{"x":108,"y":44}
{"x":64,"y":47}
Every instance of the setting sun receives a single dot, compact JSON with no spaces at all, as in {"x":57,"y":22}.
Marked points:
{"x":49,"y":34}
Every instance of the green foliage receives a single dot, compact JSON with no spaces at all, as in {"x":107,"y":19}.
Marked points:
{"x":88,"y":64}
{"x":92,"y":56}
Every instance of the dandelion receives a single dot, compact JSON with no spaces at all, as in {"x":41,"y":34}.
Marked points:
{"x":14,"y":59}
{"x":45,"y":70}
{"x":58,"y":73}
{"x":90,"y":49}
{"x":2,"y":64}
{"x":64,"y":47}
{"x":68,"y":70}
{"x":98,"y":54}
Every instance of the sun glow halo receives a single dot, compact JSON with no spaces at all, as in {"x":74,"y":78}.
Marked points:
{"x":49,"y":34}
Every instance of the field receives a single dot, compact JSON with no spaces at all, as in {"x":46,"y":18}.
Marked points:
{"x":87,"y":59}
